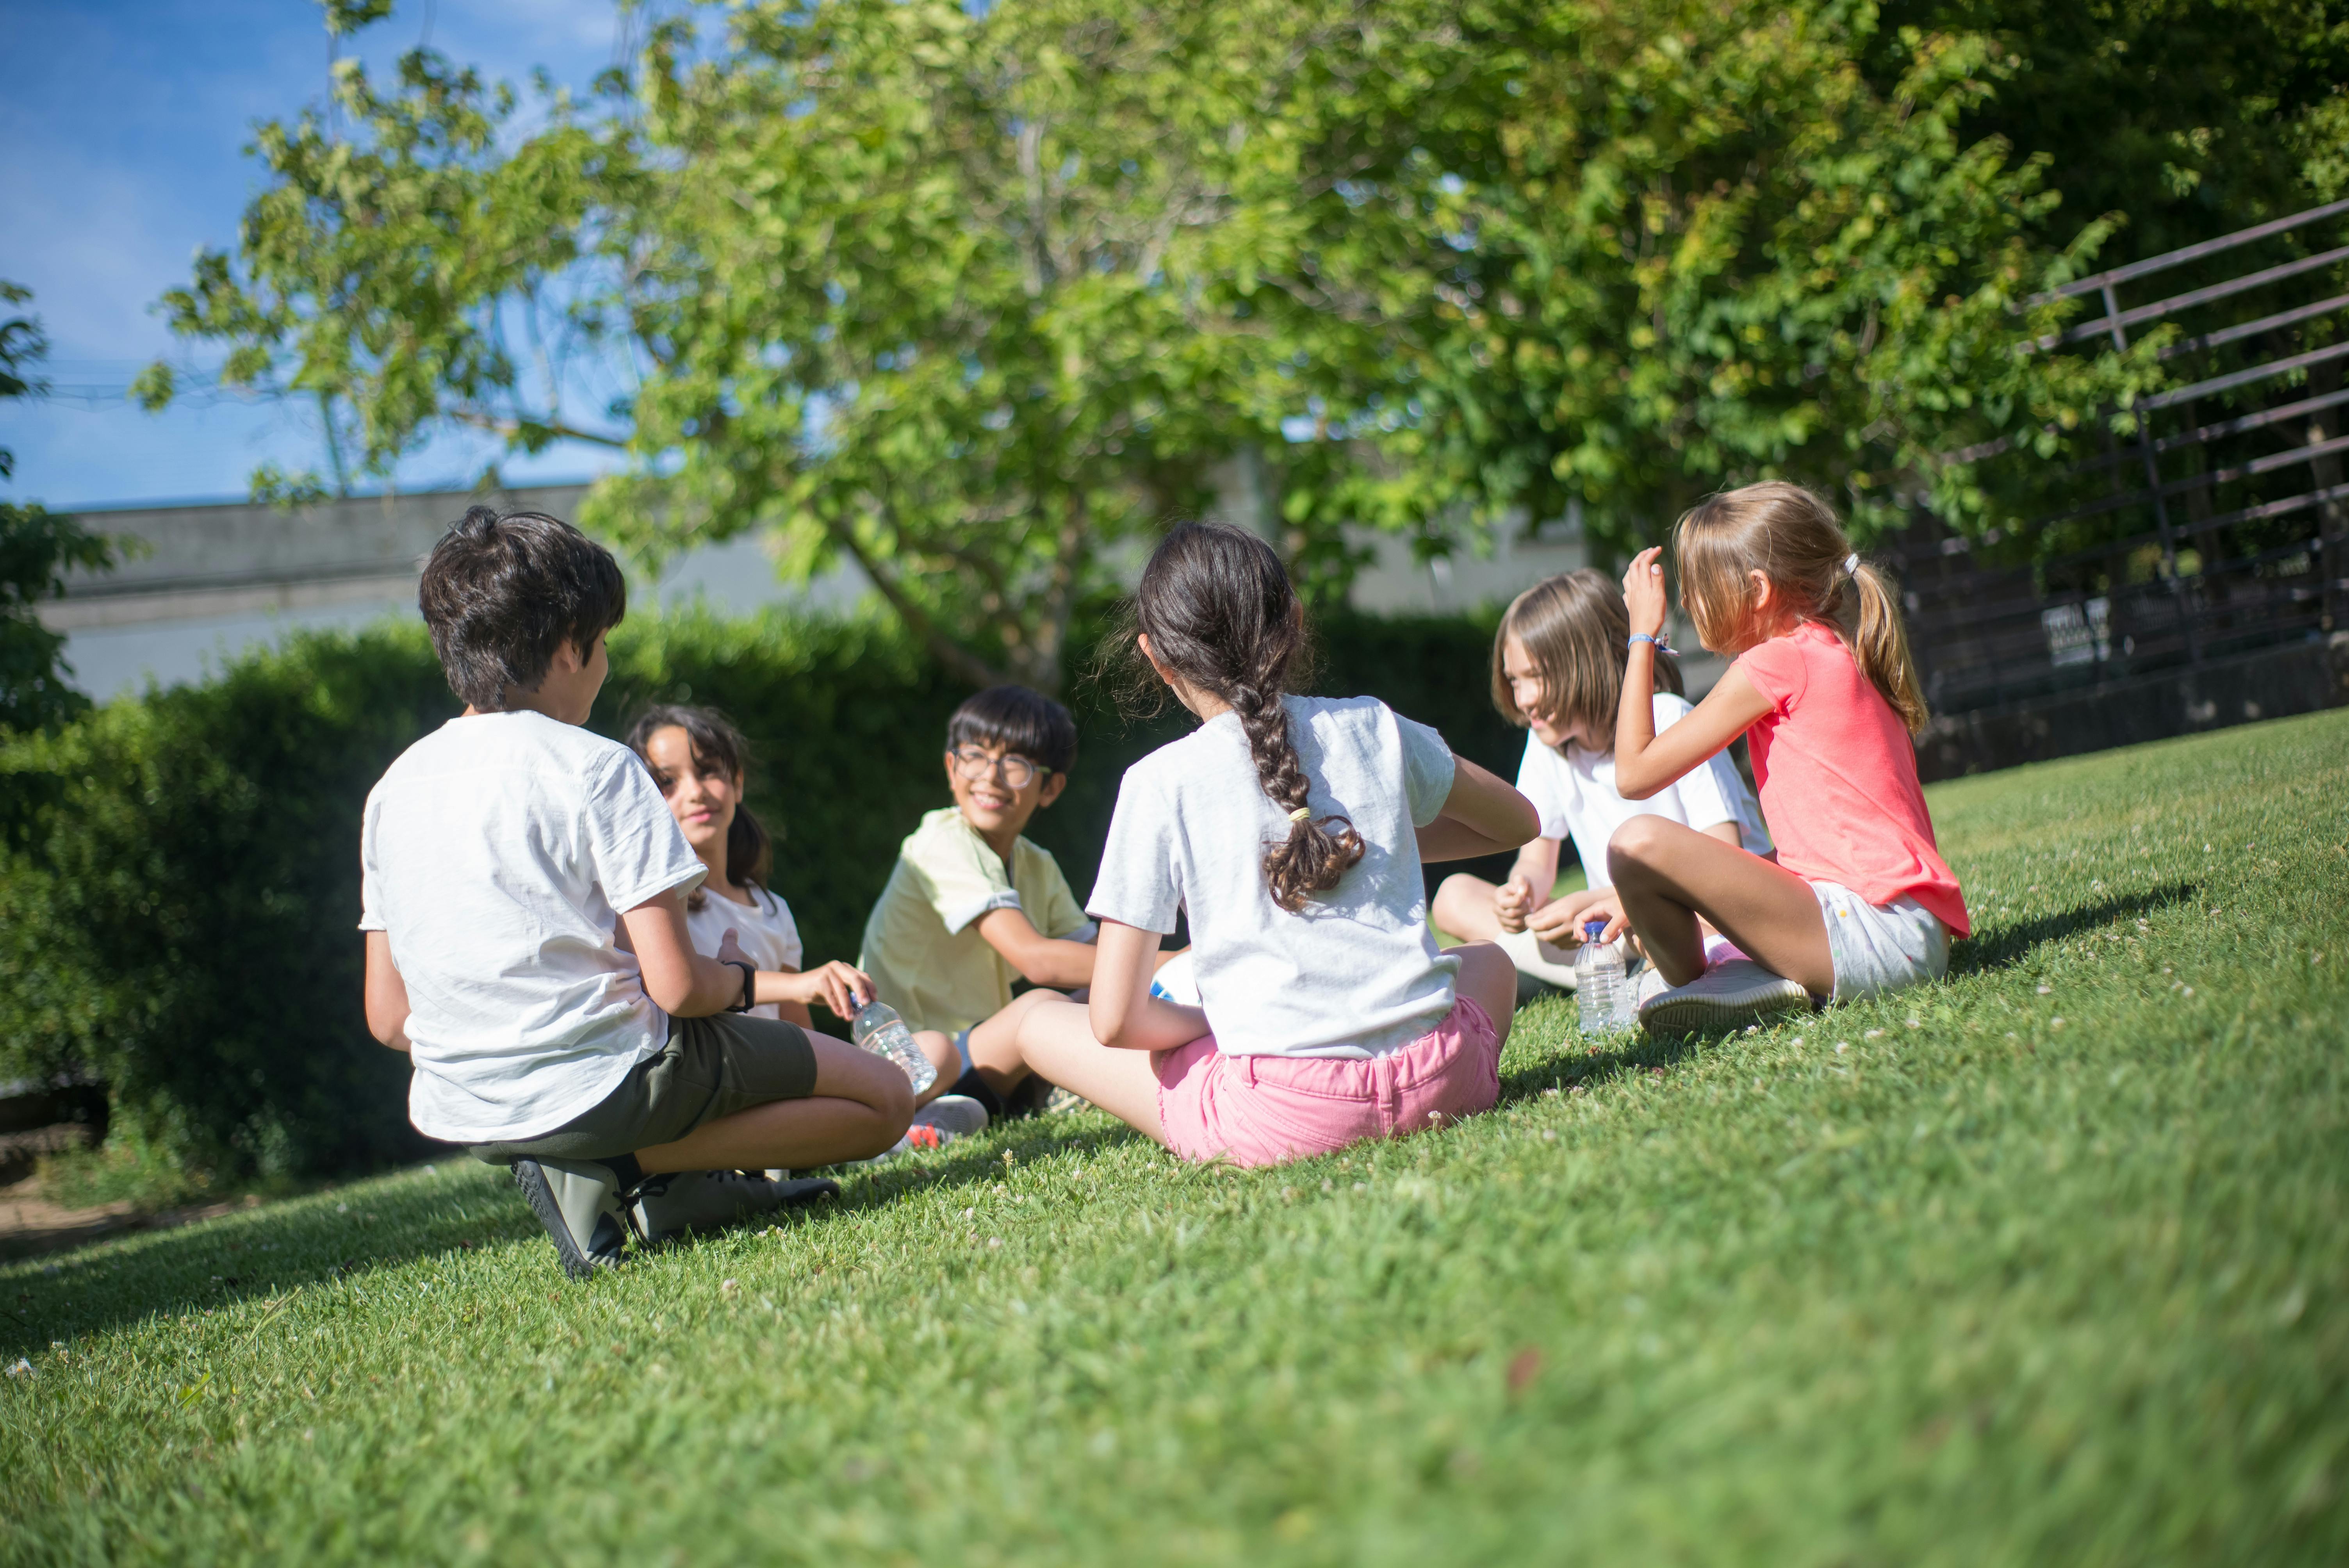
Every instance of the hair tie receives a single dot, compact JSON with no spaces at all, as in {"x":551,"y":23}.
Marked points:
{"x":1299,"y":814}
{"x":1851,"y":564}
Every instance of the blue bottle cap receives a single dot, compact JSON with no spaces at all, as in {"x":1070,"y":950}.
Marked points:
{"x":1591,"y":929}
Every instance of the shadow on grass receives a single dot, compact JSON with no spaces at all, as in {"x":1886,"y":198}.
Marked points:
{"x":2006,"y":946}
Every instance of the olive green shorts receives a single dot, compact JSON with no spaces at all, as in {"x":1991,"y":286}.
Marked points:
{"x":711,"y":1067}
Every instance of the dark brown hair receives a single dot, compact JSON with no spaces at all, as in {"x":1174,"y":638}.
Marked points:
{"x":717,"y":747}
{"x":1220,"y":613}
{"x":503,"y":593}
{"x":1576,"y":634}
{"x":1018,"y":719}
{"x":1793,"y":539}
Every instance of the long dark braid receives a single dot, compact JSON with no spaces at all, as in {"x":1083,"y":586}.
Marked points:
{"x":1219,"y":612}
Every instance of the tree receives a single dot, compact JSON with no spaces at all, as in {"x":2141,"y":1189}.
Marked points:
{"x":975,"y":297}
{"x":37,"y":548}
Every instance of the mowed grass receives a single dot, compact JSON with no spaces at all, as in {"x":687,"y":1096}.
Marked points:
{"x":2044,"y":1263}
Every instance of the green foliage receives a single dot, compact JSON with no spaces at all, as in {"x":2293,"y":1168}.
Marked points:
{"x":177,"y":916}
{"x":37,"y":548}
{"x":977,"y":297}
{"x":2045,"y":1265}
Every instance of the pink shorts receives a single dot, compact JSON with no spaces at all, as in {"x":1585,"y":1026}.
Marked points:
{"x":1262,"y":1110}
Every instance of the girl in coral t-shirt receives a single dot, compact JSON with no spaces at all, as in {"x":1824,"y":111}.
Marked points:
{"x":1860,"y":900}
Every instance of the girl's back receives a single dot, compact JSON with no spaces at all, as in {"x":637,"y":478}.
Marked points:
{"x":1355,"y":973}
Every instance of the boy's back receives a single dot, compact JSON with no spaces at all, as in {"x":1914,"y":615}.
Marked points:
{"x":497,"y":853}
{"x":922,"y":944}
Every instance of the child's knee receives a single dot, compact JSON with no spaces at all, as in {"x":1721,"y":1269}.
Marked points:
{"x":1457,"y":891}
{"x":1635,"y":845}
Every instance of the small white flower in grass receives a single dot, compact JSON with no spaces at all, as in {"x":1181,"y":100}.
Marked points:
{"x":2188,"y":992}
{"x":1550,"y":1135}
{"x":1753,"y":1029}
{"x":1873,"y":1035}
{"x":1362,"y":1186}
{"x":1550,"y":1093}
{"x":23,"y":1368}
{"x":969,"y":1214}
{"x":993,"y":1242}
{"x":342,"y":1208}
{"x":2047,"y":990}
{"x":728,"y":1287}
{"x":1842,"y":1045}
{"x":2055,"y":1024}
{"x":1795,"y":1041}
{"x":1914,"y":1024}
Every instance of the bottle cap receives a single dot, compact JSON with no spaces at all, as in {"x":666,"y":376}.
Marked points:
{"x":1591,"y":929}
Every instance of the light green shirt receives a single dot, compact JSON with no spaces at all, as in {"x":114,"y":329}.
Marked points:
{"x":922,"y":944}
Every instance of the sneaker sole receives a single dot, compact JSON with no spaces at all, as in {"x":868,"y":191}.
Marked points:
{"x":1694,"y":1014}
{"x":540,"y":1199}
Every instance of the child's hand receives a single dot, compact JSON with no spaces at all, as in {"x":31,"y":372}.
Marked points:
{"x":1512,"y":901}
{"x":1560,"y":924}
{"x":1644,"y":591}
{"x":837,"y":985}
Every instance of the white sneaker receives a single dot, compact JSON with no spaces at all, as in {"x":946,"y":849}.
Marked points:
{"x":1739,"y":991}
{"x":940,"y":1122}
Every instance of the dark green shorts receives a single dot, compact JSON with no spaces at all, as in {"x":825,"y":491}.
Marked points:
{"x":711,"y":1067}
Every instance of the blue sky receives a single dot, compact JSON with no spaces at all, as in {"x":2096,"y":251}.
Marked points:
{"x":121,"y":152}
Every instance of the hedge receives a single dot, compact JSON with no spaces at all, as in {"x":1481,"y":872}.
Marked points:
{"x":179,"y":884}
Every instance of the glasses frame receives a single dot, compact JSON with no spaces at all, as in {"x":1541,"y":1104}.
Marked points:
{"x":972,"y":765}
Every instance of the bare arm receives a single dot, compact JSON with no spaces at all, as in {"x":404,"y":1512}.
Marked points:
{"x":681,"y":982}
{"x":1643,"y":762}
{"x":1121,"y":1010}
{"x":835,"y":985}
{"x":1482,"y":816}
{"x":1041,"y":960}
{"x":387,"y":993}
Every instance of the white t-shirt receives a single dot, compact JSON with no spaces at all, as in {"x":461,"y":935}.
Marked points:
{"x":1576,"y":795}
{"x":1356,"y":973}
{"x":770,"y":937}
{"x":497,"y":853}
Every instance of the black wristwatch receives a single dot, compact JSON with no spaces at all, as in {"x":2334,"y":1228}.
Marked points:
{"x":749,"y":978}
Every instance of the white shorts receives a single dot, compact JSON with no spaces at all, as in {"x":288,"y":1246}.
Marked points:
{"x":1881,"y":947}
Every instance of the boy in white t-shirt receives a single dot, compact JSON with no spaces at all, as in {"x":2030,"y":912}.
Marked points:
{"x":523,"y":900}
{"x":1558,"y":670}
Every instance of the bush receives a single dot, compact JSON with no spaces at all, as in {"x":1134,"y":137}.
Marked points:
{"x":179,"y":892}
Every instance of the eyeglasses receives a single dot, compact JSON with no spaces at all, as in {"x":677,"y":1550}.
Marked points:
{"x":1017,"y":771}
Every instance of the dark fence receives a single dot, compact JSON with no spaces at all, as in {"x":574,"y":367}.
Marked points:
{"x":2217,"y":536}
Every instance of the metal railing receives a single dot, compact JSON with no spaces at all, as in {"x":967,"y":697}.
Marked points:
{"x":2219,"y":527}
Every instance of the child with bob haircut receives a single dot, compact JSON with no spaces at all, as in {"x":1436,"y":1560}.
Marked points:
{"x":1860,"y":900}
{"x":522,"y":895}
{"x":700,"y":762}
{"x":1290,"y":830}
{"x":1558,"y":673}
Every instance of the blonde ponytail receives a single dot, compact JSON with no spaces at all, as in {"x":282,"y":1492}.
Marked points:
{"x":1880,"y":645}
{"x":1792,"y":538}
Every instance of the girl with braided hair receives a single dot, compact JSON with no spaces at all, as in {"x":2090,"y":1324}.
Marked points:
{"x":1290,"y":830}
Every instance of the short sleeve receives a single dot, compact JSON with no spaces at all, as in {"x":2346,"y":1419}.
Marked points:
{"x":1428,"y":767}
{"x":1538,"y":781}
{"x":634,"y":849}
{"x":370,"y":909}
{"x":1053,"y":908}
{"x":787,"y":931}
{"x":1776,"y":669}
{"x":960,"y":877}
{"x":1141,"y":883}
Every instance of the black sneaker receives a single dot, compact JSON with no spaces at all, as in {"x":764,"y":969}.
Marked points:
{"x":665,"y":1207}
{"x":578,"y":1202}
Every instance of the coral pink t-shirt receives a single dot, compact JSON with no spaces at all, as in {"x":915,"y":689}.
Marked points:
{"x":1837,"y":777}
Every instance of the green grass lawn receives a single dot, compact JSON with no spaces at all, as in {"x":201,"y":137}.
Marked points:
{"x":2044,"y":1263}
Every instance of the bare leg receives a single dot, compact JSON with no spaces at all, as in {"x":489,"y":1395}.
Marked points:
{"x":861,"y":1106}
{"x":1464,"y":908}
{"x":1487,"y":974}
{"x":1668,"y":876}
{"x":1045,"y":1032}
{"x":944,"y":1058}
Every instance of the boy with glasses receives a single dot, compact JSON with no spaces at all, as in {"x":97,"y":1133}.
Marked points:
{"x":972,"y":906}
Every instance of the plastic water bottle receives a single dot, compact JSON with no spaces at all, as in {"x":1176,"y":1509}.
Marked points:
{"x":878,"y":1028}
{"x":1601,"y":991}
